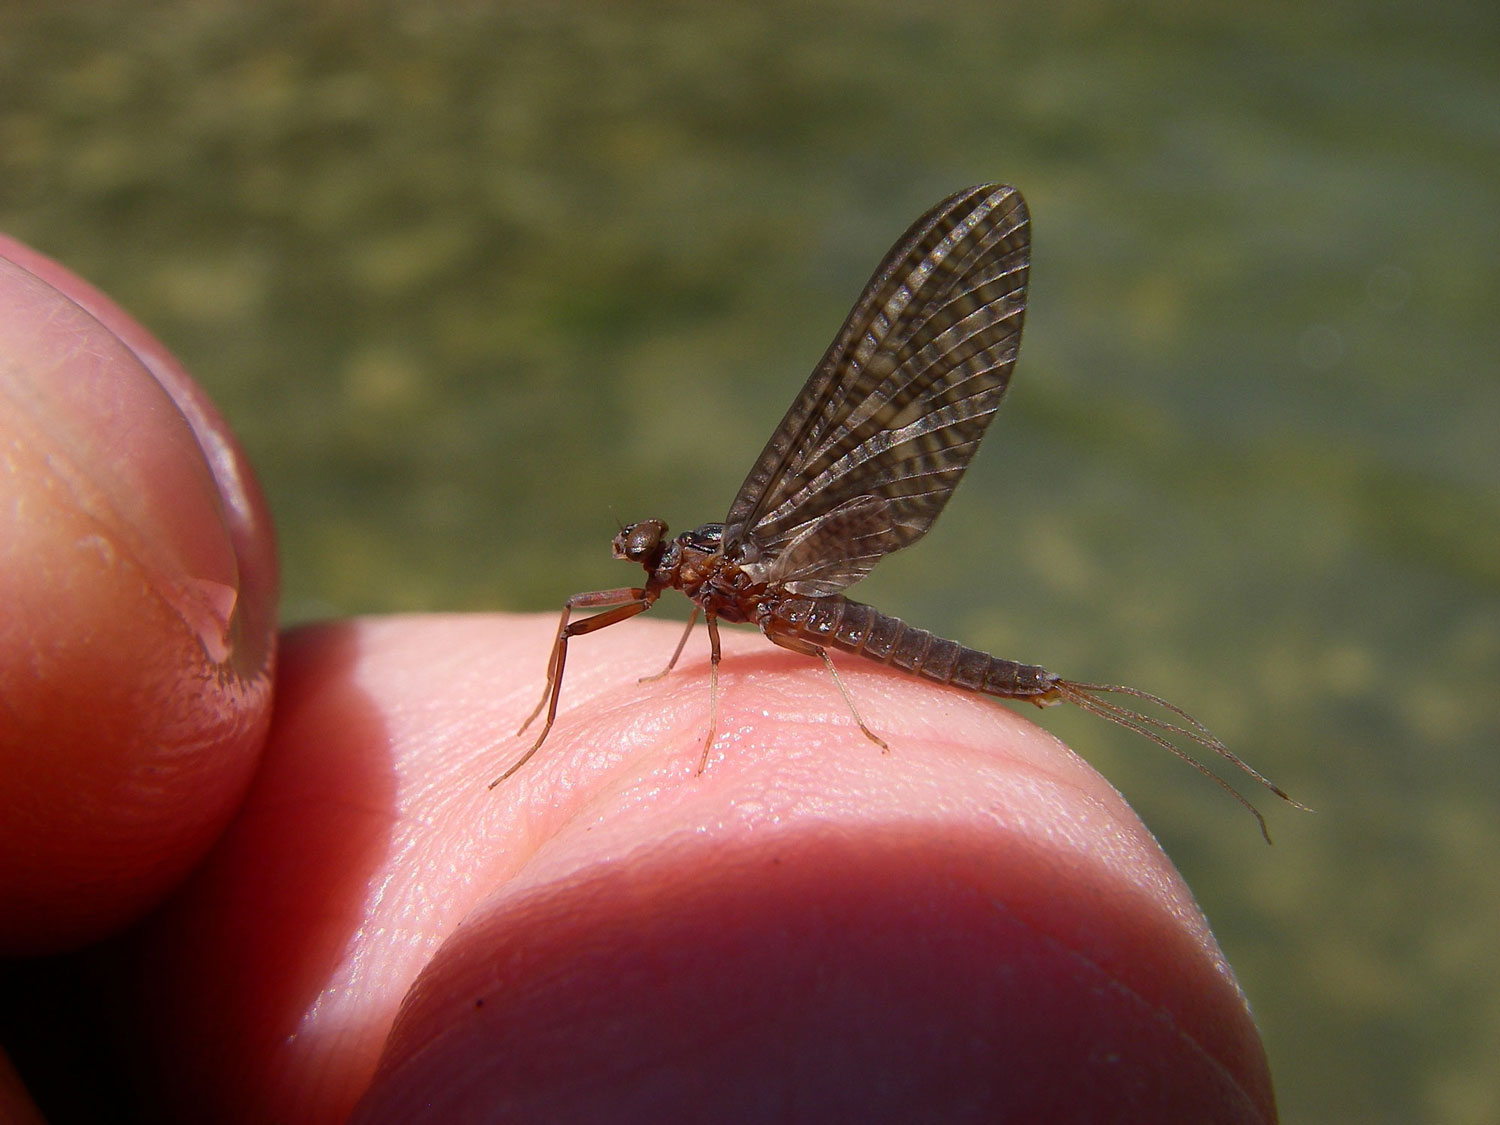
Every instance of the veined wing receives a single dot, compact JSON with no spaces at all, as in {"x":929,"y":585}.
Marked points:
{"x":886,"y":425}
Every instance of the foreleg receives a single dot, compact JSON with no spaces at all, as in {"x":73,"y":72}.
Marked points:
{"x":618,"y":605}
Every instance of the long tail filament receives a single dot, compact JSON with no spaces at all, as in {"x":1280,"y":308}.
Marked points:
{"x":1087,"y":696}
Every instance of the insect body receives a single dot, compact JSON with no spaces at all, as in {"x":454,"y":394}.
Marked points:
{"x":863,"y":462}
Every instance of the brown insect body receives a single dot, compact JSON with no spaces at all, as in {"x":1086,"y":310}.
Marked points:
{"x":855,"y":627}
{"x":723,"y":591}
{"x":861,"y":465}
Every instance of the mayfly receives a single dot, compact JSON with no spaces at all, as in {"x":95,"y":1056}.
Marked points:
{"x":861,"y":465}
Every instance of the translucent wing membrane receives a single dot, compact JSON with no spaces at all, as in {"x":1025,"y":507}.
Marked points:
{"x":838,"y":549}
{"x":886,"y":425}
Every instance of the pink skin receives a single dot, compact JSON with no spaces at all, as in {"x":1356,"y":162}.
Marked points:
{"x":971,"y":927}
{"x":138,"y":580}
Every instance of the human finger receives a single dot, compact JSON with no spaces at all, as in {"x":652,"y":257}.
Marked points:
{"x":976,"y":917}
{"x":139,"y":584}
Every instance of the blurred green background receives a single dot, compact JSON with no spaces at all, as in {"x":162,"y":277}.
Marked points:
{"x":473,"y":281}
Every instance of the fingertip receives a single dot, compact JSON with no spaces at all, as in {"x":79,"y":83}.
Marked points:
{"x":981,"y":918}
{"x":1061,"y":910}
{"x":610,"y":933}
{"x":139,"y":583}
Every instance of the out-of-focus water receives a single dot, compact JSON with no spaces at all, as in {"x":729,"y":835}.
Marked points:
{"x":472,"y":284}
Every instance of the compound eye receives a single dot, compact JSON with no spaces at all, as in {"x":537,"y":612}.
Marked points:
{"x":640,"y":541}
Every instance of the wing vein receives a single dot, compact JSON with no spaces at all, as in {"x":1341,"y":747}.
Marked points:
{"x":870,"y":451}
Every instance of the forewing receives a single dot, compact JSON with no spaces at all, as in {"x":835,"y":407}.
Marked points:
{"x":837,"y":549}
{"x":899,"y":402}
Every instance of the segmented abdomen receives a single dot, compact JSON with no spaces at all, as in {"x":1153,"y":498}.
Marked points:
{"x":837,"y":622}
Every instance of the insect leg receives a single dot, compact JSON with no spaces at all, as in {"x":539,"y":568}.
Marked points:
{"x":618,"y":605}
{"x":713,"y":687}
{"x":807,"y":648}
{"x":682,"y":644}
